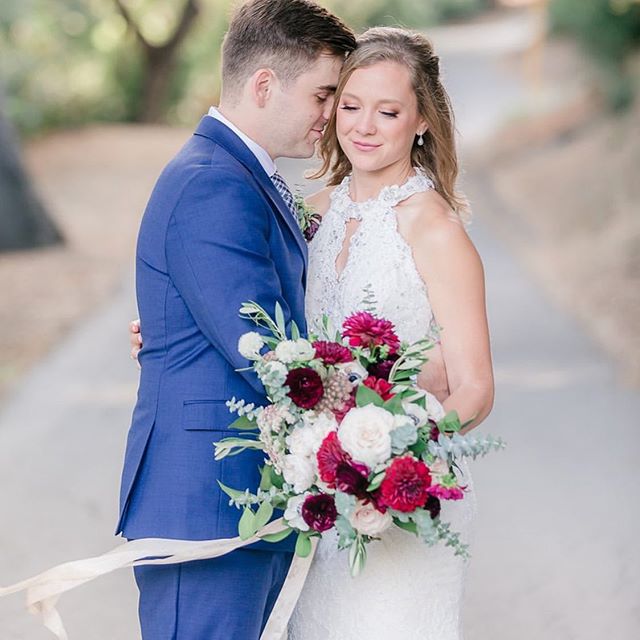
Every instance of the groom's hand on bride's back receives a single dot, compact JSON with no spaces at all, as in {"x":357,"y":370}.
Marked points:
{"x":135,"y":339}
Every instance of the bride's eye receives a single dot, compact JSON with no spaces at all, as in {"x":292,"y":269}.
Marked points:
{"x":348,"y":107}
{"x":389,"y":114}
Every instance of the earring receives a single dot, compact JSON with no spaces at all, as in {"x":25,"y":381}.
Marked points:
{"x":420,"y":140}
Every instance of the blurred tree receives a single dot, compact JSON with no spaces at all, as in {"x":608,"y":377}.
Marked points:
{"x":23,"y":221}
{"x":609,"y":30}
{"x":159,"y":61}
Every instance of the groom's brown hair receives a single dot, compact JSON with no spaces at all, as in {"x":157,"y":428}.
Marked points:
{"x":284,"y":35}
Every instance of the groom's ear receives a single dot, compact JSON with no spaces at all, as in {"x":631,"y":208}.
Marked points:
{"x":262,"y":85}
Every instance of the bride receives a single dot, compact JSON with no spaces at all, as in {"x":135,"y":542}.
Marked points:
{"x":392,"y":227}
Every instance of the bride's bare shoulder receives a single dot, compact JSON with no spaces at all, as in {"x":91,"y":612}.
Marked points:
{"x":320,"y":200}
{"x":427,"y":216}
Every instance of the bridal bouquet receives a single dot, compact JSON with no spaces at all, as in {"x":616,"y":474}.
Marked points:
{"x":351,"y":441}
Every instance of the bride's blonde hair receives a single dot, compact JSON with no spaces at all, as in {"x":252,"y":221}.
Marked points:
{"x":437,"y":156}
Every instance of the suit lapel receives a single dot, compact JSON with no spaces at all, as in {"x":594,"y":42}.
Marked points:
{"x":222,"y":135}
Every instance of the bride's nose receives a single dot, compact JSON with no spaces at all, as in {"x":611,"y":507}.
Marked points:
{"x":366,"y":123}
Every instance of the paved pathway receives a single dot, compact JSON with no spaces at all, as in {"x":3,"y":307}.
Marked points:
{"x":555,"y":555}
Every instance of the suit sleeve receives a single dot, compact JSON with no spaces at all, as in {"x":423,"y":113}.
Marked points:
{"x":218,"y":257}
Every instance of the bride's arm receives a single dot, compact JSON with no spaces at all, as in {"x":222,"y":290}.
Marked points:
{"x":452,"y":270}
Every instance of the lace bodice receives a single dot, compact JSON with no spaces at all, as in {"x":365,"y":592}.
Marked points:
{"x":379,"y":261}
{"x":407,"y":590}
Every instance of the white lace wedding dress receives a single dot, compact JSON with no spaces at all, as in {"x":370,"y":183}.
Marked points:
{"x":407,"y":590}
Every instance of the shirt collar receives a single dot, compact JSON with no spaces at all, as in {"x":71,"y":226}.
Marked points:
{"x":265,"y":160}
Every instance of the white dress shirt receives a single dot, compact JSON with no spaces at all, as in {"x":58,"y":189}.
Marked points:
{"x":265,"y":160}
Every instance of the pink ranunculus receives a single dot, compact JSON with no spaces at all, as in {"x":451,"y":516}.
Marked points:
{"x":363,"y":329}
{"x":446,"y":493}
{"x":381,"y":387}
{"x":332,"y":352}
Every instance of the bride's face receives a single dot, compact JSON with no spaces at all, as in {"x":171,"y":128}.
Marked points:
{"x":377,"y":117}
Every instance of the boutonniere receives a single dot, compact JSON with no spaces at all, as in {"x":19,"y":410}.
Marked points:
{"x":308,"y":218}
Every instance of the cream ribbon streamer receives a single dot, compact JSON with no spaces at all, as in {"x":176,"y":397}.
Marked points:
{"x":44,"y":589}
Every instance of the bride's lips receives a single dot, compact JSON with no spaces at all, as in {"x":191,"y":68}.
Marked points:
{"x":365,"y":146}
{"x":318,"y":133}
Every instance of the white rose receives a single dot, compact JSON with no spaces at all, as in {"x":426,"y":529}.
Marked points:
{"x":292,"y":513}
{"x":305,"y":440}
{"x":298,"y":471}
{"x":285,"y":351}
{"x":250,"y":344}
{"x":368,"y":520}
{"x":364,"y":433}
{"x":354,"y":371}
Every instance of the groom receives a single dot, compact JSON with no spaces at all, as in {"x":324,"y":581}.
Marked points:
{"x":220,"y":229}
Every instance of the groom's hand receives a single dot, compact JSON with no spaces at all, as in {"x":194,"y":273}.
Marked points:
{"x":135,"y":339}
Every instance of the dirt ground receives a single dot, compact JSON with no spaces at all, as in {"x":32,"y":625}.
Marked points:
{"x":95,"y":183}
{"x":568,"y":188}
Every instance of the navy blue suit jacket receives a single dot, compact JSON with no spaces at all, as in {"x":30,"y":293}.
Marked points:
{"x":215,"y":234}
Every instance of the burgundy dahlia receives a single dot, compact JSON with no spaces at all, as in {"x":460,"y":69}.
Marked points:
{"x":381,"y":387}
{"x":363,"y":329}
{"x":305,"y":387}
{"x":353,"y":478}
{"x":433,"y":506}
{"x":332,"y":352}
{"x":329,"y":456}
{"x":319,"y":512}
{"x":405,"y":484}
{"x":383,"y":369}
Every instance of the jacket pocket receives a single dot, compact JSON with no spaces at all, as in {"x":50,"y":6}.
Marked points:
{"x":206,"y":415}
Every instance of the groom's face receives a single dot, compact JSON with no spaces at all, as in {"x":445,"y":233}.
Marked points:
{"x":301,"y":109}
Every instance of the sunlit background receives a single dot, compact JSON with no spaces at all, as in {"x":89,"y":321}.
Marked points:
{"x":97,"y":95}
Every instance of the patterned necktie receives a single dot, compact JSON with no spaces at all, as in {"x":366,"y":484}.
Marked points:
{"x":286,"y":194}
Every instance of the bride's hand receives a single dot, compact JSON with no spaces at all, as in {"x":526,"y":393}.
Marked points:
{"x":135,"y":339}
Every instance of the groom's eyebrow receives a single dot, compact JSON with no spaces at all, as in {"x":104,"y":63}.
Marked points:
{"x":331,"y":88}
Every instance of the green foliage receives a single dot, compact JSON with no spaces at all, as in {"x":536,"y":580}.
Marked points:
{"x":408,"y":13}
{"x":609,"y":31}
{"x":69,"y":62}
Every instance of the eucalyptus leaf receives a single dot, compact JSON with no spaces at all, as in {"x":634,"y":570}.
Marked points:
{"x":345,"y":503}
{"x":243,"y":423}
{"x":263,"y":515}
{"x":247,"y":525}
{"x":277,"y":537}
{"x":295,"y":332}
{"x":365,"y":396}
{"x":376,"y":481}
{"x":280,"y":320}
{"x":232,"y":493}
{"x":394,"y":405}
{"x":403,"y":437}
{"x":303,"y":545}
